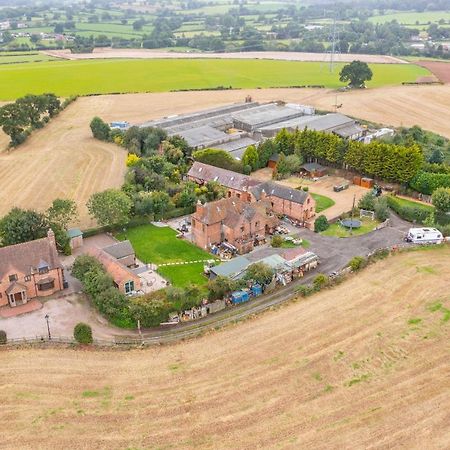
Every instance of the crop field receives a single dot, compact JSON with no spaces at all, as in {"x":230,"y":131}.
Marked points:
{"x":14,"y":57}
{"x":364,"y":365}
{"x":60,"y":160}
{"x":109,"y":76}
{"x":410,"y":18}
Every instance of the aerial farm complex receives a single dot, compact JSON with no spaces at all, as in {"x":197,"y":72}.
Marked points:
{"x":233,"y":128}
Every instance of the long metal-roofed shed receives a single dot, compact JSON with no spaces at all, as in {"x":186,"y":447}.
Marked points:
{"x":237,"y":147}
{"x":264,"y":115}
{"x":203,"y":137}
{"x":233,"y":269}
{"x":331,"y":123}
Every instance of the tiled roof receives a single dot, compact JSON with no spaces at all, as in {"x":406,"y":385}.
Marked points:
{"x":292,"y":254}
{"x":27,"y":256}
{"x":277,"y":190}
{"x":230,"y":211}
{"x":226,"y":178}
{"x":120,"y":249}
{"x":117,"y":270}
{"x":311,"y":167}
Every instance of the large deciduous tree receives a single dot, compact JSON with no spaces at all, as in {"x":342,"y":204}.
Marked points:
{"x":21,"y":225}
{"x":441,"y":200}
{"x":62,"y":212}
{"x":110,"y":208}
{"x":259,"y":272}
{"x":356,"y":74}
{"x":100,"y":129}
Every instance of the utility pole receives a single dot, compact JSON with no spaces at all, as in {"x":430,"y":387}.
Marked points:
{"x":48,"y":327}
{"x":351,"y":215}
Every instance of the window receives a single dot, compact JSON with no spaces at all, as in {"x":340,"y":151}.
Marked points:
{"x":27,"y":277}
{"x":307,"y":201}
{"x":242,"y":229}
{"x":13,"y":277}
{"x":129,"y":287}
{"x":256,"y":224}
{"x":46,"y":286}
{"x":238,"y":195}
{"x":43,"y":269}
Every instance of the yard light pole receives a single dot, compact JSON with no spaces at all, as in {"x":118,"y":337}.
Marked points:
{"x":351,"y":217}
{"x":48,"y":327}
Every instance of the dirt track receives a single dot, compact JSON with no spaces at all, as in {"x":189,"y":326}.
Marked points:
{"x":64,"y":160}
{"x":362,"y":366}
{"x":100,"y":53}
{"x":440,"y":68}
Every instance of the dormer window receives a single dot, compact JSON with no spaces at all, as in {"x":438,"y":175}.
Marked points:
{"x":13,"y":277}
{"x":43,"y":269}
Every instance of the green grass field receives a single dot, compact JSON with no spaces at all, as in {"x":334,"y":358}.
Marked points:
{"x":160,"y":245}
{"x":322,"y":202}
{"x":111,"y":76}
{"x":337,"y":230}
{"x":410,"y":18}
{"x":413,"y":204}
{"x":10,"y":58}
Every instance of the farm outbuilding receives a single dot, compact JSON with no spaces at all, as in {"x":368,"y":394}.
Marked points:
{"x":314,"y":170}
{"x":75,"y":238}
{"x":273,"y":161}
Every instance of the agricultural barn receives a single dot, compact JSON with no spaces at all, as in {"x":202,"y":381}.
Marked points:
{"x":314,"y":170}
{"x":231,"y":269}
{"x":124,"y":279}
{"x":28,"y":270}
{"x":238,"y":185}
{"x":233,"y":221}
{"x":229,"y":128}
{"x":123,"y":252}
{"x":338,"y":124}
{"x":294,"y":203}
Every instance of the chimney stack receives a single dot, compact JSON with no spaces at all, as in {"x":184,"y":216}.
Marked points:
{"x":51,"y":237}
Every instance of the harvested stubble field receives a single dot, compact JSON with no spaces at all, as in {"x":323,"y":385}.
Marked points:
{"x":63,"y":160}
{"x":364,"y":365}
{"x":60,"y":160}
{"x":439,"y":68}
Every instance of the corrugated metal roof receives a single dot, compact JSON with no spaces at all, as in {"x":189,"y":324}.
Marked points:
{"x":231,"y":268}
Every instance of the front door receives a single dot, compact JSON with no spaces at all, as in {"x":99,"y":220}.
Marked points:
{"x":17,"y":299}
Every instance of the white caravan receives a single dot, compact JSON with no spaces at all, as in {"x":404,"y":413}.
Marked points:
{"x":424,"y":236}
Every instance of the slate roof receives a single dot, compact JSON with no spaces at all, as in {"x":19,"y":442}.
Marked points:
{"x":227,"y":178}
{"x":28,"y":256}
{"x":272,"y":189}
{"x":120,"y":249}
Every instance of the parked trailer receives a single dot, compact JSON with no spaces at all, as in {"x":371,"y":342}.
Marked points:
{"x":424,"y":236}
{"x":239,"y":297}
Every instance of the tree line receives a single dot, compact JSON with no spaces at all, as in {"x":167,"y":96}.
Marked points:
{"x":28,"y":113}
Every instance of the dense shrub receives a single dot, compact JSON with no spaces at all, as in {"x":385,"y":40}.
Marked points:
{"x":3,"y":337}
{"x":428,"y":182}
{"x":367,"y":201}
{"x":409,"y":213}
{"x":218,"y":158}
{"x":357,"y":263}
{"x":320,"y":281}
{"x":83,"y":333}
{"x":321,"y":224}
{"x":277,"y":241}
{"x":381,"y":209}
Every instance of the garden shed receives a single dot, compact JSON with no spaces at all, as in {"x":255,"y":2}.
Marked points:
{"x":75,"y":238}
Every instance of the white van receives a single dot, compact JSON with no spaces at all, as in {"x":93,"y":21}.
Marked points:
{"x":424,"y":236}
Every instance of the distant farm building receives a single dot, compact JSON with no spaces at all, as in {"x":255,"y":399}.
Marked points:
{"x":235,"y":127}
{"x":314,"y":170}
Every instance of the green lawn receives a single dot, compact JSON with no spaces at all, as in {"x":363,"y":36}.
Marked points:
{"x":336,"y":230}
{"x":107,"y":76}
{"x":412,"y":204}
{"x":182,"y":276}
{"x":9,"y":58}
{"x":160,"y":245}
{"x":322,"y":202}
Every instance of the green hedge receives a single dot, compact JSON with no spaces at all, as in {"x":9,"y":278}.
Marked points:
{"x":428,"y":182}
{"x":409,"y":213}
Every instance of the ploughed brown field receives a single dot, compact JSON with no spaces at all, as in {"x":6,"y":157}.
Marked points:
{"x":63,"y":160}
{"x":440,"y":68}
{"x":364,"y":365}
